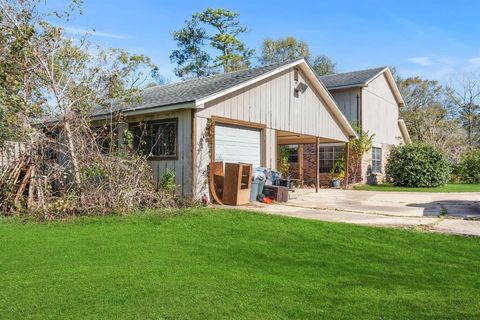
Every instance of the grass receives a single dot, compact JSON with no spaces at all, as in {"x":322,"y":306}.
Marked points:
{"x":451,"y":187}
{"x":208,"y":263}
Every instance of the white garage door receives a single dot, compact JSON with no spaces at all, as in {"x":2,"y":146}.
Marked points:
{"x":237,"y":144}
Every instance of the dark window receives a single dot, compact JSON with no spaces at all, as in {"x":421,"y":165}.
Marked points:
{"x":327,"y":157}
{"x":293,"y":155}
{"x":292,"y":152}
{"x":156,"y":138}
{"x":376,"y":160}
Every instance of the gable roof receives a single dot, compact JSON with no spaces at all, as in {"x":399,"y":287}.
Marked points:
{"x":196,"y":92}
{"x":361,"y":78}
{"x":194,"y":89}
{"x":350,"y":79}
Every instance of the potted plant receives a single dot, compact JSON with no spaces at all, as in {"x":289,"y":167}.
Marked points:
{"x":337,"y":174}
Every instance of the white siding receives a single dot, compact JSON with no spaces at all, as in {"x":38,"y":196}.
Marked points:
{"x":380,"y":112}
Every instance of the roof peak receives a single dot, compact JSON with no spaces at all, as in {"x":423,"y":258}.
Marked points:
{"x":218,"y":75}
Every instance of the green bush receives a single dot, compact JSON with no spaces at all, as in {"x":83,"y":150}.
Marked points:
{"x":168,"y":180}
{"x":417,"y":165}
{"x":469,"y":167}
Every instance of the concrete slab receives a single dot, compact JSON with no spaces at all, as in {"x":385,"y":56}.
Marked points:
{"x":439,"y":212}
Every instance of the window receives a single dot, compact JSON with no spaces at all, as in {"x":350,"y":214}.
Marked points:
{"x":293,"y":154}
{"x":156,"y":138}
{"x":292,"y":150}
{"x":376,"y":160}
{"x":328,"y":155}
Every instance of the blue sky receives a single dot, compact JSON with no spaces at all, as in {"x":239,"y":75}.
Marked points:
{"x":433,"y":39}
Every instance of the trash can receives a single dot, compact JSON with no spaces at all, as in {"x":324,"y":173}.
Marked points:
{"x":256,"y":189}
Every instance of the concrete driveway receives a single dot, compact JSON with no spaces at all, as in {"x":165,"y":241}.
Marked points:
{"x":444,"y":212}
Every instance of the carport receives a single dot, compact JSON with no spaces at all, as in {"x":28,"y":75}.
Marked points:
{"x":289,"y":138}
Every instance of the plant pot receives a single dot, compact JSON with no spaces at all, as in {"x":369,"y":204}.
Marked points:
{"x":336,"y":183}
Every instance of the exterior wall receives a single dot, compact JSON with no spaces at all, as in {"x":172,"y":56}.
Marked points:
{"x":270,"y":102}
{"x":380,"y":112}
{"x":379,"y":115}
{"x":348,"y":100}
{"x":366,"y":174}
{"x":183,"y":164}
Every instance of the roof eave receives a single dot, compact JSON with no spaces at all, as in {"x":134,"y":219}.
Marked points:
{"x":142,"y":111}
{"x":404,"y":131}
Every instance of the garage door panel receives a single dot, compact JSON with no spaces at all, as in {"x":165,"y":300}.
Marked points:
{"x":237,"y":144}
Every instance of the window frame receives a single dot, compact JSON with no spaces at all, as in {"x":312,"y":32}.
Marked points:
{"x":334,"y":157}
{"x":149,"y":125}
{"x":376,"y":151}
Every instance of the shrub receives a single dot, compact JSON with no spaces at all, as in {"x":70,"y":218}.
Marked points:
{"x":469,"y":167}
{"x":417,"y":165}
{"x":168,"y":180}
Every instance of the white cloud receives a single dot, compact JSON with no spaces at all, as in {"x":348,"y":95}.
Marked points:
{"x":422,"y":61}
{"x":83,"y":32}
{"x":475,"y":61}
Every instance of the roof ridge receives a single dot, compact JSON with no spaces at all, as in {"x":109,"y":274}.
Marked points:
{"x":212,"y":76}
{"x":354,"y":71}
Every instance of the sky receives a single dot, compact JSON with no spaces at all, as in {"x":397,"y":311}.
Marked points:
{"x":433,"y":39}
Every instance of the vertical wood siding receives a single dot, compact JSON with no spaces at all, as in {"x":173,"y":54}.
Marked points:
{"x":347,"y":102}
{"x":183,"y":165}
{"x":270,"y":102}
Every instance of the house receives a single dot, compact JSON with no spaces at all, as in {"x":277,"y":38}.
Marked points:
{"x":239,"y":117}
{"x":370,"y":99}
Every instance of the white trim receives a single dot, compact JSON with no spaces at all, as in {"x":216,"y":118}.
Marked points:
{"x":391,"y":83}
{"x":217,"y":95}
{"x":404,"y":131}
{"x":313,"y":77}
{"x":333,"y":144}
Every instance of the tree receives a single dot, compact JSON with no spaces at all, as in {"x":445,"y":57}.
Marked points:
{"x":430,"y":116}
{"x":323,"y":65}
{"x":234,"y":54}
{"x":290,"y":48}
{"x":357,"y":148}
{"x":191,"y":59}
{"x":283,"y":49}
{"x":465,"y":95}
{"x":43,"y":73}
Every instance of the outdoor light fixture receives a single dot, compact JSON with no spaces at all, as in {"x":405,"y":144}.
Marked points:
{"x":302,"y":87}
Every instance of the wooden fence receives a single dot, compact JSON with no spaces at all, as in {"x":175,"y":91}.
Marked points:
{"x":10,"y":152}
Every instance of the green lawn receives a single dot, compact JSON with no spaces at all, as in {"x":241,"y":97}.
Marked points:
{"x":451,"y":187}
{"x":208,"y":263}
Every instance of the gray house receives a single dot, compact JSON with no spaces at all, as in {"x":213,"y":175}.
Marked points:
{"x":368,"y":98}
{"x":240,"y":117}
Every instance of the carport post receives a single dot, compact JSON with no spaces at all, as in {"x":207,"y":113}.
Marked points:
{"x":347,"y":164}
{"x":317,"y":163}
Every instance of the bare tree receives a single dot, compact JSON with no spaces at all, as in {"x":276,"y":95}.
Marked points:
{"x":465,"y":96}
